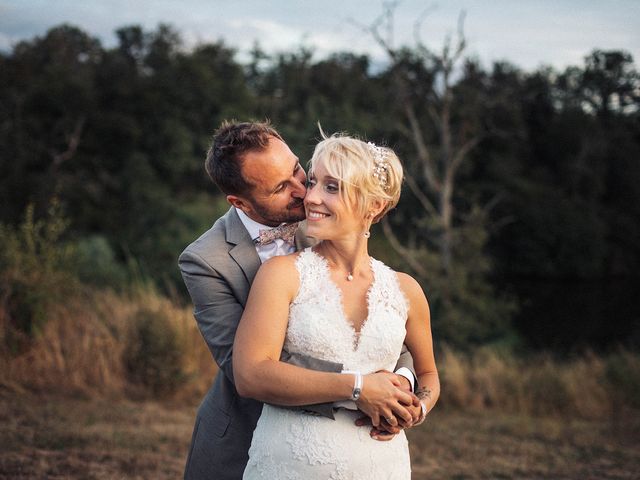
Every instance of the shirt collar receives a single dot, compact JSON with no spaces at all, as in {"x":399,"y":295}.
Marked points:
{"x":251,"y":225}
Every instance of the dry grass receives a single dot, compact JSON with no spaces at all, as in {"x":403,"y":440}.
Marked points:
{"x":56,"y":437}
{"x":83,"y":346}
{"x":589,"y":386}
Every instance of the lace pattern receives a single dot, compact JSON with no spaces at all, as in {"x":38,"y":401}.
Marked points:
{"x":290,"y":444}
{"x":318,"y":326}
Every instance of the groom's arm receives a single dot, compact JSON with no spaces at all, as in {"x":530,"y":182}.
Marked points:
{"x":405,"y":367}
{"x":218,"y":312}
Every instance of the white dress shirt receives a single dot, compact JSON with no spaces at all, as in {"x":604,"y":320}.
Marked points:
{"x":265,"y":252}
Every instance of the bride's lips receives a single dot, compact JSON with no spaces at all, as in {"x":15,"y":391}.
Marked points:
{"x":313,"y":215}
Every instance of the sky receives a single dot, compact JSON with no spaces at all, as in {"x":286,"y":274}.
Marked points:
{"x":527,"y":33}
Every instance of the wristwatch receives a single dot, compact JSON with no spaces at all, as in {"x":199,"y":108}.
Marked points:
{"x":357,"y":386}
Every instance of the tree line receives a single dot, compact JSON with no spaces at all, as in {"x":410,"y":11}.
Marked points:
{"x":521,"y":212}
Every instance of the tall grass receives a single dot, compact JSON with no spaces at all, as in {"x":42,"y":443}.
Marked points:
{"x":58,"y":334}
{"x":141,"y":344}
{"x":91,"y":345}
{"x":588,"y":386}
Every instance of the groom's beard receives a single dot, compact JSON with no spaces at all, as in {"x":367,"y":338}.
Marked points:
{"x":294,"y":212}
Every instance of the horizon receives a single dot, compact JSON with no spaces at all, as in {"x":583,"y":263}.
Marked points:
{"x":555,"y":34}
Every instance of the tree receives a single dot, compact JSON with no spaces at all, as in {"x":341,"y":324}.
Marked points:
{"x":445,"y":241}
{"x":609,"y":82}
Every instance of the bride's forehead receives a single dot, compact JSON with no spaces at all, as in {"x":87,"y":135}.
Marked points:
{"x":324,"y":167}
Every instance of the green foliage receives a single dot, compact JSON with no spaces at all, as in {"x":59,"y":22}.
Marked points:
{"x":119,"y":135}
{"x":34,"y":271}
{"x":155,"y":352}
{"x":95,"y":262}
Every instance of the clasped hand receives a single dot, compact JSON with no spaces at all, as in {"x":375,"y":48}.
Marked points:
{"x":388,"y":403}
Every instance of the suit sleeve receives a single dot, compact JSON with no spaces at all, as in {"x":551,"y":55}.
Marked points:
{"x":406,"y":361}
{"x":218,"y":311}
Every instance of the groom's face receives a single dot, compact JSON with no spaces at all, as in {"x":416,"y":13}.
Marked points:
{"x":278,"y":185}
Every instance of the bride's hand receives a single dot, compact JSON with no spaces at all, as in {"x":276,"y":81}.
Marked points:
{"x":381,"y":398}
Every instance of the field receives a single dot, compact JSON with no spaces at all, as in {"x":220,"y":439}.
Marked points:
{"x":59,"y":437}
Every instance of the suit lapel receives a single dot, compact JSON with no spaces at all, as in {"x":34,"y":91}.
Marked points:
{"x":243,"y":250}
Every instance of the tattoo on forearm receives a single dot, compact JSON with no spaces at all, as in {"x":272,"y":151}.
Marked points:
{"x":423,"y":393}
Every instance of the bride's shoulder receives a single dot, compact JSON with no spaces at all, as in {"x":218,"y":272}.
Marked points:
{"x":279,"y":273}
{"x":280,"y":263}
{"x":410,"y":287}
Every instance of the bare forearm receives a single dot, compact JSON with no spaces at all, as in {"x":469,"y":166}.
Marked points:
{"x":428,"y":389}
{"x":284,"y":384}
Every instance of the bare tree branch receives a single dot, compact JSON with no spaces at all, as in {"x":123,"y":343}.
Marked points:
{"x":462,"y":153}
{"x":422,"y":198}
{"x":462,"y":42}
{"x":417,"y":26}
{"x":493,"y":227}
{"x":407,"y":254}
{"x":423,"y":150}
{"x":73,"y":141}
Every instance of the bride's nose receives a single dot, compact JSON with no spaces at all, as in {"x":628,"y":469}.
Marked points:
{"x":312,"y":196}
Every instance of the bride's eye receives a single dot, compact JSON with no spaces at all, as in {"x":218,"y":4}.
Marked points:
{"x":311,"y":183}
{"x":332,"y":187}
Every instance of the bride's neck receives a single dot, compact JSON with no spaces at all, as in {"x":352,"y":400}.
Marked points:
{"x":351,"y":257}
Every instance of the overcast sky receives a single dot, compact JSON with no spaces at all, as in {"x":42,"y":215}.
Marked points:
{"x":528,"y":33}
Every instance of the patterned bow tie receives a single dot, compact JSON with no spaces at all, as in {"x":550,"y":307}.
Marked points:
{"x":284,"y":232}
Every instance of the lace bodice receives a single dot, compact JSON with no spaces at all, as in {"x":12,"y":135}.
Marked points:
{"x":292,"y":444}
{"x":318,"y":326}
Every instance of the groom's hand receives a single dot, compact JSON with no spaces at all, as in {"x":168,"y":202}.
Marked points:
{"x":383,"y":433}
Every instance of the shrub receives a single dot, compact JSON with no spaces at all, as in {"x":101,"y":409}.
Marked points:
{"x":34,"y":271}
{"x":95,"y":262}
{"x":155,"y":352}
{"x":623,"y":374}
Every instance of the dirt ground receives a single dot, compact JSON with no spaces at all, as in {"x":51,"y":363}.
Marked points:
{"x":101,"y":439}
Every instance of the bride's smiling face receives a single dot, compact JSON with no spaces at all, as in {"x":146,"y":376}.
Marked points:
{"x":329,"y":216}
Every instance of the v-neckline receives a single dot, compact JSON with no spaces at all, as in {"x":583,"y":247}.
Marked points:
{"x":348,"y":323}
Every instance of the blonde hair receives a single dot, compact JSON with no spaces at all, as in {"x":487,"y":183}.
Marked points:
{"x":354,"y":162}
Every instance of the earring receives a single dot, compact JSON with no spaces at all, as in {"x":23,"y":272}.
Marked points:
{"x":367,"y":234}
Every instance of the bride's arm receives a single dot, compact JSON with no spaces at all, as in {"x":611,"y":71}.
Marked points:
{"x":257,"y":369}
{"x":260,"y":374}
{"x":420,"y":342}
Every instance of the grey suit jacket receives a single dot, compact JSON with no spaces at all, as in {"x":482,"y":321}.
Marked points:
{"x":218,"y":269}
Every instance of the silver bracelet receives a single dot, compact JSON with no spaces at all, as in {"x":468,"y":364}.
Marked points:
{"x":424,"y":409}
{"x":357,"y":385}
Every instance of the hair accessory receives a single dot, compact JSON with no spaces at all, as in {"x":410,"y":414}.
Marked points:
{"x":381,"y":166}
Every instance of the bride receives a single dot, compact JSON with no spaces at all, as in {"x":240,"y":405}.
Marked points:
{"x":335,"y":302}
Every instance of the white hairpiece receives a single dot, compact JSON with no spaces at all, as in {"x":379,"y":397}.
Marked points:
{"x":380,"y":165}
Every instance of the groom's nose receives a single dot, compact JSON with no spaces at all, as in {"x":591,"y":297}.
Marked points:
{"x":299,"y":188}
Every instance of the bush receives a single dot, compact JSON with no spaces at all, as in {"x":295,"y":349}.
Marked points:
{"x":155,"y":353}
{"x":95,"y":262}
{"x":623,"y":374}
{"x":34,"y":272}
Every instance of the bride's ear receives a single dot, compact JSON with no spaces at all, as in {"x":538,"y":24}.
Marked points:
{"x":376,"y":207}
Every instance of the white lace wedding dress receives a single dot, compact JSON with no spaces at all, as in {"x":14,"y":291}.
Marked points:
{"x":291,"y":444}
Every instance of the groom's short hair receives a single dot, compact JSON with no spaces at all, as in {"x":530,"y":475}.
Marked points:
{"x":231,"y":142}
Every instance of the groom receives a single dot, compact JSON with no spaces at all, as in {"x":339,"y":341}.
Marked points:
{"x":265,"y":185}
